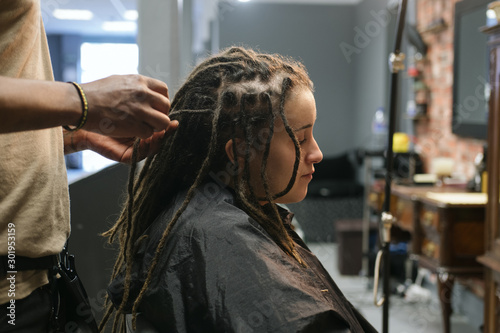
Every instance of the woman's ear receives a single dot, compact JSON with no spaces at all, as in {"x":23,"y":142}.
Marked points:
{"x":231,"y":146}
{"x":230,"y":150}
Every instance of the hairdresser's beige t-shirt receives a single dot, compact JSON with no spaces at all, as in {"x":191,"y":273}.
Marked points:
{"x":33,"y":183}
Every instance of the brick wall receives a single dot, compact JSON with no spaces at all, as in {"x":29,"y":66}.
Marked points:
{"x":434,"y":135}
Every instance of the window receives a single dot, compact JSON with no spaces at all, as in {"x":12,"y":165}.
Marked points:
{"x":99,"y":60}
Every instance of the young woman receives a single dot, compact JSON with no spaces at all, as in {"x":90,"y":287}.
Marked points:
{"x":204,"y":245}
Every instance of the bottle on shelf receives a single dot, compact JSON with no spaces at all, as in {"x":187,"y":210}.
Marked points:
{"x":480,"y":179}
{"x":379,"y":130}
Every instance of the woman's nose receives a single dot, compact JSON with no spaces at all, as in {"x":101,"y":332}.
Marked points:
{"x":315,"y":155}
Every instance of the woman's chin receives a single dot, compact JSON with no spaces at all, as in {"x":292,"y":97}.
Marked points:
{"x":292,"y":197}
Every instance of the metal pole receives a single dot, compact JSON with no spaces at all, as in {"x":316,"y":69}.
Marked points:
{"x":396,"y":62}
{"x":366,"y":218}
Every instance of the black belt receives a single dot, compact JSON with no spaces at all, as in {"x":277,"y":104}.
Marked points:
{"x":19,"y":263}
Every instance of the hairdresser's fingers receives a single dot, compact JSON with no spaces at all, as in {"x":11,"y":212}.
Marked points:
{"x":152,"y":103}
{"x":152,"y":144}
{"x":158,"y":95}
{"x":149,"y":104}
{"x":126,"y":106}
{"x":145,"y":131}
{"x":157,"y":121}
{"x":157,"y":85}
{"x":159,"y":102}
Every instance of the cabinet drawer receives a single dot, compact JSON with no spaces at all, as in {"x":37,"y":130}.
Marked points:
{"x":403,"y":212}
{"x":452,"y":236}
{"x":429,"y":225}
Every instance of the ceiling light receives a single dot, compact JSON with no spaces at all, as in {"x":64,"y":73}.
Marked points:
{"x":243,"y":0}
{"x":73,"y":14}
{"x":119,"y":26}
{"x":131,"y":15}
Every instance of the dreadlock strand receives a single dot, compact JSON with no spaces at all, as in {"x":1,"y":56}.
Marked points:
{"x":277,"y":229}
{"x":129,"y":230}
{"x":273,"y":226}
{"x":116,"y":322}
{"x":157,"y":172}
{"x":286,"y":85}
{"x":248,"y":140}
{"x":263,"y":173}
{"x":129,"y":203}
{"x":107,"y":303}
{"x":153,"y":173}
{"x":145,"y":169}
{"x":236,"y":177}
{"x":201,"y":175}
{"x":107,"y":315}
{"x":264,"y":162}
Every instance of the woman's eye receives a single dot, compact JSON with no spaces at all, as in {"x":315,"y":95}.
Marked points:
{"x":302,"y":141}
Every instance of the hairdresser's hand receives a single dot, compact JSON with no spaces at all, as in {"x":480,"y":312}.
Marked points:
{"x":117,"y":149}
{"x":120,"y":149}
{"x":127,"y":106}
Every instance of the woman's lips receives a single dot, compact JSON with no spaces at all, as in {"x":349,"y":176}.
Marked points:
{"x":308,"y":175}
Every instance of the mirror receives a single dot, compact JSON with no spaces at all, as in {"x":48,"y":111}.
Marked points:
{"x":470,"y":70}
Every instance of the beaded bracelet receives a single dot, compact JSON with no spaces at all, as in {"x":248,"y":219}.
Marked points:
{"x":85,"y":109}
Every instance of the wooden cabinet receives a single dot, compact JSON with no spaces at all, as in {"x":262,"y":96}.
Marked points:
{"x":452,"y":232}
{"x":491,"y":257}
{"x":452,"y":236}
{"x":447,"y":232}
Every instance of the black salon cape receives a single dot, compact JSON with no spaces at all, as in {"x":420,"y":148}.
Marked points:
{"x":221,"y":272}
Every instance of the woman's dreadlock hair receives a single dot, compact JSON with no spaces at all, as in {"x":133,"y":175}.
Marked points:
{"x":237,"y":94}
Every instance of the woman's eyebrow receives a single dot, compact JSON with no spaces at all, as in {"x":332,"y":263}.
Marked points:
{"x":303,"y":127}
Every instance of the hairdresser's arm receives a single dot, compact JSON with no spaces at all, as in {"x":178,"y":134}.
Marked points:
{"x":119,"y":106}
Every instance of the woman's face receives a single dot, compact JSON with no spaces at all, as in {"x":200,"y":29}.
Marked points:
{"x":300,"y":110}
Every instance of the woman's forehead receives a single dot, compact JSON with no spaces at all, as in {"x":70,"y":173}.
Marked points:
{"x":300,"y":108}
